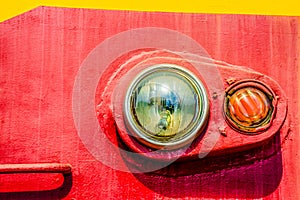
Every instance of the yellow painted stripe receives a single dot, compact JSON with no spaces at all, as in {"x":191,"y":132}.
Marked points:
{"x":12,"y":8}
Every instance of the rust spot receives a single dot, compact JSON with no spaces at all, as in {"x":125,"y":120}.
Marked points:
{"x":215,"y":95}
{"x":230,"y":81}
{"x":222,"y":132}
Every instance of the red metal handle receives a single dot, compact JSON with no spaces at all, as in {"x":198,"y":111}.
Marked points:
{"x":35,"y":168}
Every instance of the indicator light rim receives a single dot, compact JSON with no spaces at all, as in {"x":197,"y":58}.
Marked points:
{"x":194,"y":131}
{"x":267,"y":122}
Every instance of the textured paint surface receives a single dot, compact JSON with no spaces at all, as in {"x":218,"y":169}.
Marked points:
{"x":40,"y":54}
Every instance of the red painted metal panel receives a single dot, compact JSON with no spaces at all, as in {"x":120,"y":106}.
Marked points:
{"x":41,"y":52}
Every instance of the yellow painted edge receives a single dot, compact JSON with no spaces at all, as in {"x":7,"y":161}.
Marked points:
{"x":13,"y":8}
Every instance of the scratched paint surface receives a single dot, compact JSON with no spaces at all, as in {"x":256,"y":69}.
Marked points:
{"x":40,"y":54}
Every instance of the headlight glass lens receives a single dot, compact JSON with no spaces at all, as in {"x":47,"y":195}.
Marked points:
{"x":166,"y":104}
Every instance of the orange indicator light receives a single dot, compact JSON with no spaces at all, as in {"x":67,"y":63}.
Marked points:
{"x":249,"y":107}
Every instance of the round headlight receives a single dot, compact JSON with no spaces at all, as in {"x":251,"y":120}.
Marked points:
{"x":166,"y":106}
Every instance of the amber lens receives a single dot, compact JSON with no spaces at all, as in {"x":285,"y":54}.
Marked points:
{"x":249,"y":108}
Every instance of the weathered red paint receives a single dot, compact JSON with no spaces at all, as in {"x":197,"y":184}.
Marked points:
{"x":40,"y":54}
